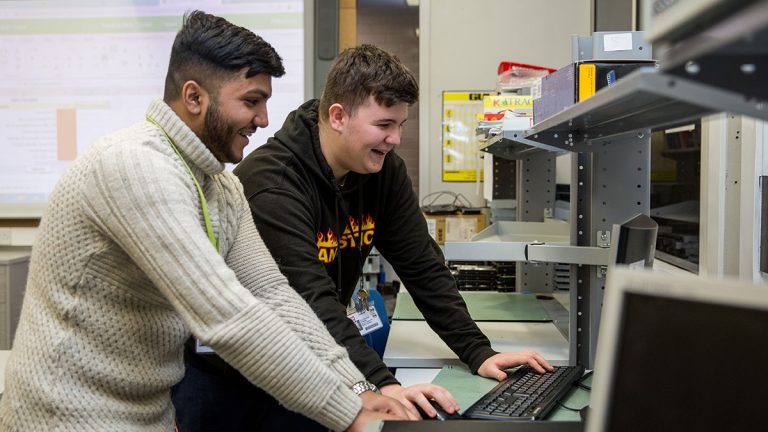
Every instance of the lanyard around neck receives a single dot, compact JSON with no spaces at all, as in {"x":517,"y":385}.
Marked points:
{"x":203,"y":203}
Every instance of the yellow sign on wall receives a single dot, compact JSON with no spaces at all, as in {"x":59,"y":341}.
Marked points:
{"x":461,"y":161}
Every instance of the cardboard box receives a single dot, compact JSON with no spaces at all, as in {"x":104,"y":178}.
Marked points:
{"x":577,"y":82}
{"x":455,"y":227}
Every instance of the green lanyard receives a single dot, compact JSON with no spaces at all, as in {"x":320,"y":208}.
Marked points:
{"x":204,"y":204}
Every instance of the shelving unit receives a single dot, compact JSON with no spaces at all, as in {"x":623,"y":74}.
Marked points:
{"x":715,"y":65}
{"x":613,"y":126}
{"x":645,"y":99}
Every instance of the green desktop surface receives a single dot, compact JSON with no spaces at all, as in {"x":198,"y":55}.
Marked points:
{"x":483,"y":306}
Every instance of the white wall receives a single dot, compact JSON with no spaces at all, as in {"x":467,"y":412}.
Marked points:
{"x":461,"y":45}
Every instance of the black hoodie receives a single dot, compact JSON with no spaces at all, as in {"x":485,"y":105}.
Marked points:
{"x":320,"y":233}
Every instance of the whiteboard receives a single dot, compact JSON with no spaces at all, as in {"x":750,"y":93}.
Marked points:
{"x":72,"y":71}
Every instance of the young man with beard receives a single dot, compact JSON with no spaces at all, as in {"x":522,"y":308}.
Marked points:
{"x":325,"y":190}
{"x":147,"y":239}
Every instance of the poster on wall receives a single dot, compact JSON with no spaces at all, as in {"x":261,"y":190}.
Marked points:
{"x":461,"y":148}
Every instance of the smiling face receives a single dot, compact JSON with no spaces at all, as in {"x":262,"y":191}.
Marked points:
{"x":361,"y":141}
{"x":234,"y":114}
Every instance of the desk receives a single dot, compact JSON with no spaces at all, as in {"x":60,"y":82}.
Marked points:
{"x":483,"y":306}
{"x":419,"y":355}
{"x":412,"y":344}
{"x":472,"y":425}
{"x":3,"y":361}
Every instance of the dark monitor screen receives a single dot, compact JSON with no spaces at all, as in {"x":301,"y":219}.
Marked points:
{"x":684,"y":365}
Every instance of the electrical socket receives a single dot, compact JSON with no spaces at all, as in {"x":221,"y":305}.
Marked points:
{"x":5,"y":236}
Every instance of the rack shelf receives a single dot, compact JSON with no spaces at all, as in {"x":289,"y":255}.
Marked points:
{"x":644,"y":99}
{"x":506,"y":241}
{"x":728,"y":49}
{"x":512,"y":144}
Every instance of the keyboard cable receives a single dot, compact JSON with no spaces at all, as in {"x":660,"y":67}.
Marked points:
{"x":581,"y":385}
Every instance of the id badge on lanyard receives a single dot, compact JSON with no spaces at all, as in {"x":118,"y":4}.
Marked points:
{"x":367,"y":321}
{"x":363,"y":313}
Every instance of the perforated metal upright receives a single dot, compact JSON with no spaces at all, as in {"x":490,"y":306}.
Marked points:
{"x":535,"y":200}
{"x":609,"y":185}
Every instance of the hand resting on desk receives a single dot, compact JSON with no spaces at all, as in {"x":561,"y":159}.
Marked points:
{"x":420,"y":394}
{"x":366,"y":415}
{"x":377,"y":407}
{"x":494,"y":366}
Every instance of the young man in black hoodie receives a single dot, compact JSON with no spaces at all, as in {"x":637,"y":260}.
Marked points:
{"x":327,"y":188}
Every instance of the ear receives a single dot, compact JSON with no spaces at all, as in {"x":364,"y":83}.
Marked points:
{"x":194,"y":97}
{"x":337,"y":117}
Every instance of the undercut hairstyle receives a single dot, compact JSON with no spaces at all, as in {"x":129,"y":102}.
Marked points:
{"x":366,"y":71}
{"x":212,"y":51}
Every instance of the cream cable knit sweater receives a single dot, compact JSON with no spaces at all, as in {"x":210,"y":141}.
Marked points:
{"x":122,"y":271}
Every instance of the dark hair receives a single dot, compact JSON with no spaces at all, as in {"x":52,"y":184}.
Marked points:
{"x":364,"y":71}
{"x":210,"y":50}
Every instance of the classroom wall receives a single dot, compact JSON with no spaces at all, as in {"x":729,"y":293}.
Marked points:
{"x":392,"y":25}
{"x":461,"y":44}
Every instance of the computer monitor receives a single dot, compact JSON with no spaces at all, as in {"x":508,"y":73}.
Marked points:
{"x":634,"y":242}
{"x":680,"y":353}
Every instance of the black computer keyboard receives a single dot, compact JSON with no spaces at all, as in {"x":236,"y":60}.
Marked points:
{"x":525,"y":394}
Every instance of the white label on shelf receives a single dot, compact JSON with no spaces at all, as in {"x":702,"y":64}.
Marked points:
{"x":536,"y":89}
{"x":617,"y":42}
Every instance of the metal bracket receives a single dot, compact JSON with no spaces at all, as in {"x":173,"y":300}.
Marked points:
{"x":567,"y":254}
{"x":604,"y":239}
{"x":602,"y":271}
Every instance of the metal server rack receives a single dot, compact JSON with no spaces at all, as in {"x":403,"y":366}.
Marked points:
{"x":610,"y":132}
{"x":610,"y":183}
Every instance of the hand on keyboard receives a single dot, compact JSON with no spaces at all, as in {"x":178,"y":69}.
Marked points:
{"x":495,"y":365}
{"x":421,"y":397}
{"x":383,"y":404}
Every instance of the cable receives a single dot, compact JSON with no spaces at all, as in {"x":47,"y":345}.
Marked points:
{"x":458,"y":201}
{"x":569,"y":408}
{"x":582,"y":385}
{"x":580,"y":382}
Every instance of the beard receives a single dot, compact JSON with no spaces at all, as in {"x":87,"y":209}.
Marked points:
{"x":218,"y":134}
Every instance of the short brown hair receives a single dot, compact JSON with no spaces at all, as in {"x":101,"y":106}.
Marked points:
{"x":366,"y":71}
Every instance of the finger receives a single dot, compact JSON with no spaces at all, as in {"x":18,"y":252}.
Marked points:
{"x":413,"y":413}
{"x":428,"y":391}
{"x":423,"y":403}
{"x":399,"y":409}
{"x":535,"y":365}
{"x":445,"y":399}
{"x":493,"y":371}
{"x":543,"y":362}
{"x":447,"y":402}
{"x":500,"y":375}
{"x":422,"y":393}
